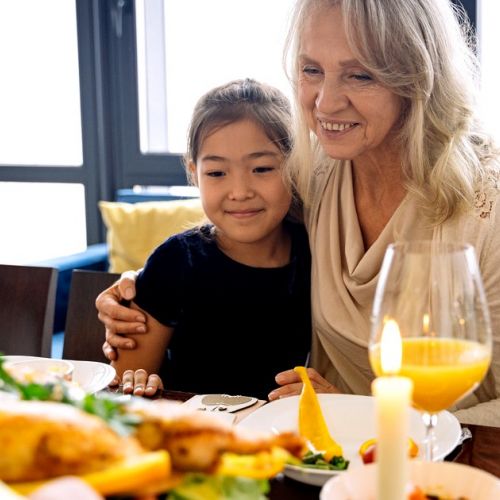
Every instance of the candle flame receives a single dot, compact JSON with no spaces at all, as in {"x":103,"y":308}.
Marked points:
{"x":391,"y":348}
{"x":425,"y":324}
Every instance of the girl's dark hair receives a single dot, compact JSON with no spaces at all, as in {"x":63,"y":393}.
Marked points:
{"x":239,"y":100}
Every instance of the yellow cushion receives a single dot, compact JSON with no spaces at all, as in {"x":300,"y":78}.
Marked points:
{"x":136,"y":229}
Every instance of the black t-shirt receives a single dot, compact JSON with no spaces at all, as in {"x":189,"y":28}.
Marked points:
{"x":236,"y":326}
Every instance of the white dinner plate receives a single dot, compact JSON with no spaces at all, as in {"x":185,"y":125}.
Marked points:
{"x":91,"y":376}
{"x":447,"y":479}
{"x":351,"y":422}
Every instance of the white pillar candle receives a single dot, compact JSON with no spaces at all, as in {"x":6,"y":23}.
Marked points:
{"x":392,"y":403}
{"x":392,"y":406}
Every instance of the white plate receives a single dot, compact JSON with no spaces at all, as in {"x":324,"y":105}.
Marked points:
{"x":91,"y":376}
{"x":351,"y":421}
{"x":451,"y":480}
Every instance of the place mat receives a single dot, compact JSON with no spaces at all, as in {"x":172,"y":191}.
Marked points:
{"x":234,"y":418}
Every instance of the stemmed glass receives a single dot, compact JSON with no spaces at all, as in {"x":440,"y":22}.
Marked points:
{"x":433,"y":293}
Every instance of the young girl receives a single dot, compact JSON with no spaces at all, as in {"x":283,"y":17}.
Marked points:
{"x":227,"y":304}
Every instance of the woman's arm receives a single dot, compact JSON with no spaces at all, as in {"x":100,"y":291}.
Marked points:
{"x":119,"y":319}
{"x":138,"y":368}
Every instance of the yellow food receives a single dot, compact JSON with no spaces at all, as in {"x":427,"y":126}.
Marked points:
{"x":412,"y":447}
{"x":258,"y":466}
{"x":312,"y":425}
{"x":41,"y":440}
{"x":136,"y":472}
{"x":196,"y":441}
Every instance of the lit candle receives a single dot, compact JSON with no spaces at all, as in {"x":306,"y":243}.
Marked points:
{"x":392,"y":403}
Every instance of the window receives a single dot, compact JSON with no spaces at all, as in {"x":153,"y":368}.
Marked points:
{"x":489,"y":40}
{"x":119,"y":78}
{"x":40,"y":126}
{"x":186,"y":48}
{"x":40,"y":121}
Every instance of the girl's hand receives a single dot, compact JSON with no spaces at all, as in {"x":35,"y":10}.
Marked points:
{"x":291,"y":384}
{"x":140,"y":383}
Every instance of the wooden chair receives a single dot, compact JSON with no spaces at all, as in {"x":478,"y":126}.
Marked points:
{"x":27,"y":302}
{"x":84,"y":333}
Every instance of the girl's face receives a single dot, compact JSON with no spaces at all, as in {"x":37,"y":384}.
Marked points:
{"x":351,"y":114}
{"x":242,"y":191}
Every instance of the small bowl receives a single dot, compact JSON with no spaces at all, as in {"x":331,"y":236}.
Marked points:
{"x":449,"y":479}
{"x":40,"y":370}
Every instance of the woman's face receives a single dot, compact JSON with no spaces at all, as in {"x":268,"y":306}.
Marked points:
{"x":351,"y":114}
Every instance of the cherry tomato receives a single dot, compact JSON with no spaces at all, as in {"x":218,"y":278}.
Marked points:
{"x":368,"y":456}
{"x":368,"y":448}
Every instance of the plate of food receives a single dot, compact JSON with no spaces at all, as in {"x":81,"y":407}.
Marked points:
{"x":351,"y":422}
{"x":90,"y":376}
{"x":438,"y":480}
{"x":139,"y":448}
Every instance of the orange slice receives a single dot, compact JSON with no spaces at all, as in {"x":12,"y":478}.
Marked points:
{"x":312,"y":425}
{"x":412,"y":447}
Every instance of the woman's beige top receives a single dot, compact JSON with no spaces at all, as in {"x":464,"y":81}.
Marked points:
{"x":344,"y":277}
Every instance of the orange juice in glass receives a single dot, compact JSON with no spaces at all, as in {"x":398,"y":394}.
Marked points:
{"x":443,"y":370}
{"x":432,"y":294}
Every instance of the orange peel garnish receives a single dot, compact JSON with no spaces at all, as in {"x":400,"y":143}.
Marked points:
{"x":412,"y":447}
{"x":312,"y":425}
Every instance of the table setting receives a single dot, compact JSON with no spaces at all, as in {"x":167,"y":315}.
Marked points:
{"x":90,"y":376}
{"x":429,"y":347}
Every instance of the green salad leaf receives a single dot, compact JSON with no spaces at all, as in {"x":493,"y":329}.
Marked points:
{"x":315,"y":460}
{"x":203,"y":487}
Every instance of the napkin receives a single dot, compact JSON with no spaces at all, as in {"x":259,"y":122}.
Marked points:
{"x":234,"y":413}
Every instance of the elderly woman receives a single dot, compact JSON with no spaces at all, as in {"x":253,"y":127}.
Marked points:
{"x":388,"y":147}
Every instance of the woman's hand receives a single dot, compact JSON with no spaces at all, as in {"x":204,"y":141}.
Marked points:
{"x":139,"y":383}
{"x":291,"y":384}
{"x":117,"y":318}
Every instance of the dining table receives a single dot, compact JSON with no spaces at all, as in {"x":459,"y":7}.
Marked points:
{"x":481,"y":450}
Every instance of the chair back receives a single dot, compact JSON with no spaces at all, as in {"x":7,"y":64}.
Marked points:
{"x":27,"y":302}
{"x":84,"y":333}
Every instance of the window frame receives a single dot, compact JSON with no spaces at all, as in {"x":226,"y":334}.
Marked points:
{"x":109,"y":109}
{"x":135,"y":167}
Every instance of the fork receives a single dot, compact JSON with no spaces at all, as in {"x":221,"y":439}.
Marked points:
{"x":219,"y":408}
{"x":214,"y":408}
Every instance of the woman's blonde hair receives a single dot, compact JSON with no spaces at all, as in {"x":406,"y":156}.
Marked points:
{"x":423,"y":51}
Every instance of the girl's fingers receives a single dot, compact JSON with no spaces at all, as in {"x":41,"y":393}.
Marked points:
{"x":128,"y":381}
{"x":140,"y":381}
{"x":154,"y":383}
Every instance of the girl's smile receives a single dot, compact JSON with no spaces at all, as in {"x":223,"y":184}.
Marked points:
{"x":242,"y":190}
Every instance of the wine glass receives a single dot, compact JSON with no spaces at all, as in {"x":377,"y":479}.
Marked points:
{"x":433,"y":293}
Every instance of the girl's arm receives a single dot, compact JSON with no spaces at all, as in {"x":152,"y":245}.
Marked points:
{"x":149,"y":352}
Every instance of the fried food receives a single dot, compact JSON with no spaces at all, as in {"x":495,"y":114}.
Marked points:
{"x":41,"y":440}
{"x":196,"y":441}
